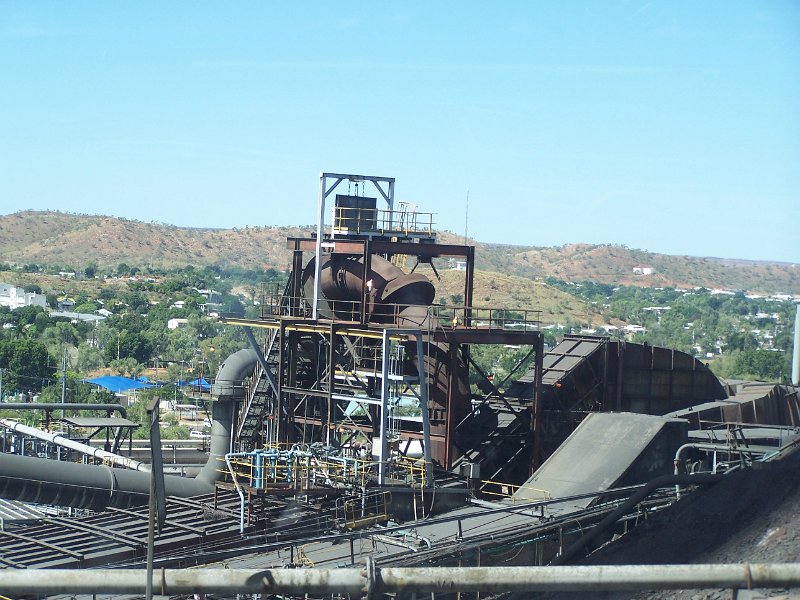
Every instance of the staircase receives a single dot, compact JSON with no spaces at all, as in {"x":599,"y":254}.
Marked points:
{"x":258,"y":404}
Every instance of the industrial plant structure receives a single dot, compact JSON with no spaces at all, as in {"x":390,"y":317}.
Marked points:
{"x":357,"y":425}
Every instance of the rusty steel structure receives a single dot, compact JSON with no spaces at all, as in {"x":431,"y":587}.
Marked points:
{"x":359,"y":393}
{"x":356,"y":340}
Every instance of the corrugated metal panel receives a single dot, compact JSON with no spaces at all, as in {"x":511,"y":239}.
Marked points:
{"x":11,"y":510}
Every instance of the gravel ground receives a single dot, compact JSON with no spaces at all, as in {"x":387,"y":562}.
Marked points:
{"x":752,"y":516}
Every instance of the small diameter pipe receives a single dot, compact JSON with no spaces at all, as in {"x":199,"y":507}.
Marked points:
{"x":586,"y":542}
{"x":64,"y":406}
{"x":371,"y":580}
{"x":61,"y":440}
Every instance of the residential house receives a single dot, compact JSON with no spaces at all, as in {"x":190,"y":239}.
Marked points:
{"x":16,"y":297}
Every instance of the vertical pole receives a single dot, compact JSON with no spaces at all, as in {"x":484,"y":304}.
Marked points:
{"x":426,"y":423}
{"x":385,"y":348}
{"x":450,"y":446}
{"x":366,"y":291}
{"x":280,"y":426}
{"x":468,"y":284}
{"x":318,"y":246}
{"x":151,"y":526}
{"x":295,"y":288}
{"x":620,"y":372}
{"x":796,"y":348}
{"x":64,"y":379}
{"x":330,"y":425}
{"x":391,"y":195}
{"x":390,"y":203}
{"x":537,"y":405}
{"x":604,"y":389}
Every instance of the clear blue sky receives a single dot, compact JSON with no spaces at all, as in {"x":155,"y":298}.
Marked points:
{"x":667,"y":126}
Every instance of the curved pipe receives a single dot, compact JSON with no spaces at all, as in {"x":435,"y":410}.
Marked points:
{"x":229,"y":384}
{"x":403,"y":300}
{"x":95,"y":487}
{"x":587,"y":541}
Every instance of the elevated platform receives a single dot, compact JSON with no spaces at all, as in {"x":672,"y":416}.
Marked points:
{"x":607,"y":450}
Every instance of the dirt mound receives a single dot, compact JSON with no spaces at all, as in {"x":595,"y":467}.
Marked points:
{"x":724,"y":523}
{"x":752,"y":516}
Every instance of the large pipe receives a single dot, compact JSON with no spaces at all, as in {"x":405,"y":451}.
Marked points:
{"x":371,"y":580}
{"x":402,"y":300}
{"x":95,"y":487}
{"x":59,"y":439}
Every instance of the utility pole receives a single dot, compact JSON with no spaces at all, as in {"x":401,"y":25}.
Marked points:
{"x":466,"y":219}
{"x":64,"y":379}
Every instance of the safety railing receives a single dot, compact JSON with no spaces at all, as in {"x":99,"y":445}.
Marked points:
{"x":514,"y":493}
{"x":441,"y":315}
{"x":362,"y":511}
{"x":368,"y":220}
{"x":413,"y":471}
{"x":485,"y":317}
{"x":302,"y":467}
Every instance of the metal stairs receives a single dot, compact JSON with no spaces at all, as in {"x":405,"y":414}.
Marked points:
{"x":260,"y":401}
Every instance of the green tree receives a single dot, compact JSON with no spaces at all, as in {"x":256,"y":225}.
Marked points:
{"x":762,"y":365}
{"x":25,"y":364}
{"x":130,"y":345}
{"x":127,"y":367}
{"x":89,"y":358}
{"x":137,"y":412}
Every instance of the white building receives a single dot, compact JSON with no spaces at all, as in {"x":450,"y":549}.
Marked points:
{"x":16,"y":297}
{"x":175,"y":323}
{"x":634,"y":329}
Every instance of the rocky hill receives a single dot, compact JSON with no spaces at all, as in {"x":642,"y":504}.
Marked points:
{"x":76,"y":240}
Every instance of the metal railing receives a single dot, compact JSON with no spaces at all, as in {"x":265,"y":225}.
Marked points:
{"x":474,"y":317}
{"x":363,"y":220}
{"x":487,"y":317}
{"x":368,"y":509}
{"x":514,"y":493}
{"x":301,"y":467}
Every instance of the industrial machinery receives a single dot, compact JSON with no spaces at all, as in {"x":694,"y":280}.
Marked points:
{"x":358,"y":409}
{"x":360,"y":361}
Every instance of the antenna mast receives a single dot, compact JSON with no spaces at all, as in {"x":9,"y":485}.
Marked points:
{"x":466,"y":219}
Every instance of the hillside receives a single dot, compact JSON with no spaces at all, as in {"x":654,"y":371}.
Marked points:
{"x":512,"y":292}
{"x":76,"y":240}
{"x":615,"y":265}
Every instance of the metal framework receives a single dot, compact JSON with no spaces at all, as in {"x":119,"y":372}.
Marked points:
{"x":355,"y":341}
{"x":325,"y":190}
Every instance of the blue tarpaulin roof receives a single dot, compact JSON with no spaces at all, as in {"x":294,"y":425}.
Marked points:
{"x":116,"y":383}
{"x":201,"y":383}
